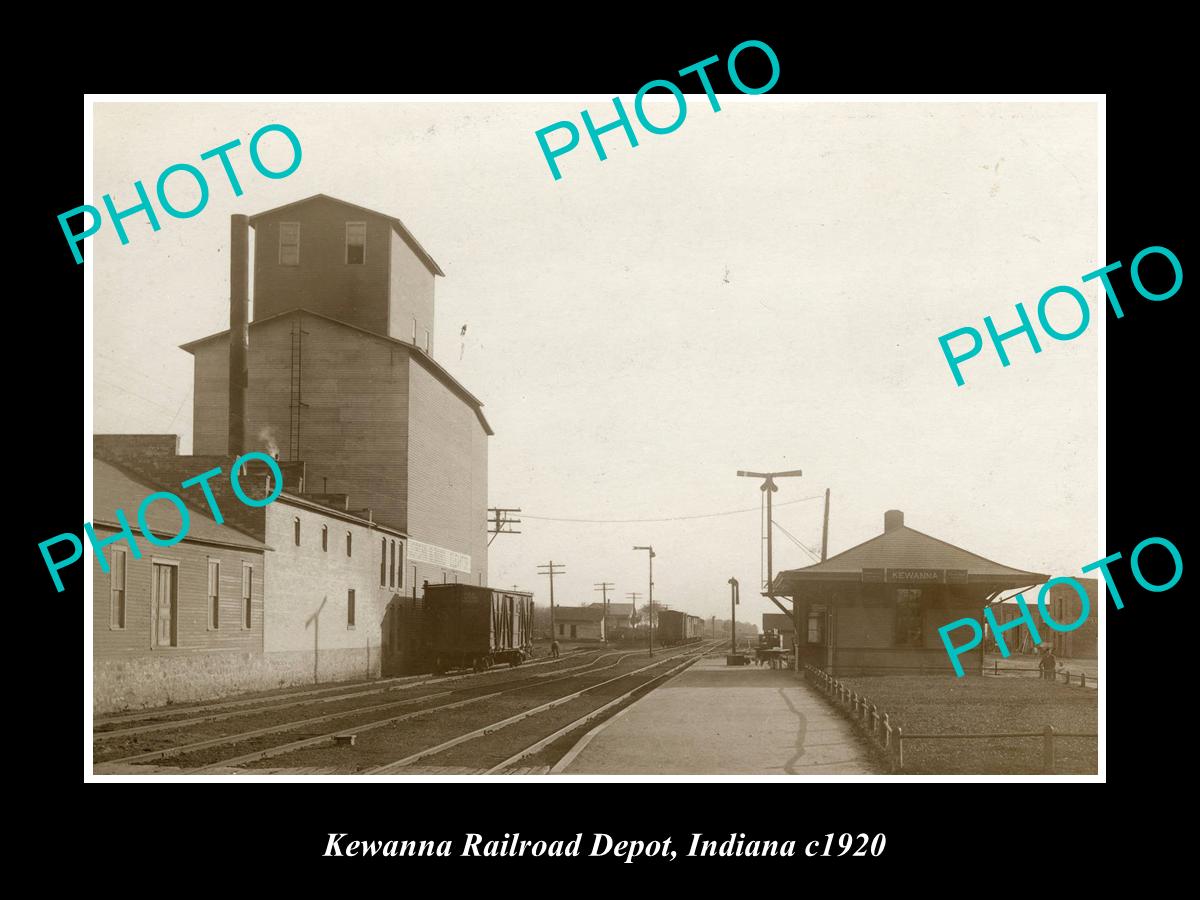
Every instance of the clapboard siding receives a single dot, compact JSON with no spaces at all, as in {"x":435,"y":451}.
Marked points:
{"x":193,"y":633}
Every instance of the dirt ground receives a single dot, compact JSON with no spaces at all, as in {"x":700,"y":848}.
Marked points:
{"x":934,"y":704}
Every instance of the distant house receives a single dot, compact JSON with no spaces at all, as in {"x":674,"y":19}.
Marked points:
{"x":578,"y":623}
{"x":621,"y":616}
{"x":877,"y":607}
{"x":1064,"y":606}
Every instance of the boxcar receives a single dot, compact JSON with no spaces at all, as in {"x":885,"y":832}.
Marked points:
{"x":467,"y":625}
{"x":676,"y":627}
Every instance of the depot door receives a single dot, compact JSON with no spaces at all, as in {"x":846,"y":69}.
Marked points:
{"x":166,"y":605}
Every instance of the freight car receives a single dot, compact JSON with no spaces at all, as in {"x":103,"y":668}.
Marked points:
{"x":467,"y":625}
{"x":676,"y":627}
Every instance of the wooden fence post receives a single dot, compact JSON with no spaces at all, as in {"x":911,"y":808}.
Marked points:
{"x":887,"y":733}
{"x":1048,"y":749}
{"x":899,"y":749}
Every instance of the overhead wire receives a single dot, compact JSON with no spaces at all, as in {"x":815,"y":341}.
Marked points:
{"x":731,"y":512}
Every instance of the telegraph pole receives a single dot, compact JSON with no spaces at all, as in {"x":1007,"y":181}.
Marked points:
{"x":651,"y":551}
{"x":603,"y":588}
{"x":633,"y":597}
{"x":769,"y":487}
{"x":501,"y":522}
{"x":825,"y":529}
{"x":551,"y":569}
{"x":733,"y":602}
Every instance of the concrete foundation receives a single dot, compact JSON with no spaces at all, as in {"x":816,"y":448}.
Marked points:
{"x":148,"y":681}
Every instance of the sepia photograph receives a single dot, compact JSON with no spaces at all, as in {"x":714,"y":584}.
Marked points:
{"x":455,"y":436}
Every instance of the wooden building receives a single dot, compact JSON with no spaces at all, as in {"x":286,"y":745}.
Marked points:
{"x":876,"y":608}
{"x":621,"y":618}
{"x":298,"y":591}
{"x":1064,"y":606}
{"x":578,"y":623}
{"x":340,"y":373}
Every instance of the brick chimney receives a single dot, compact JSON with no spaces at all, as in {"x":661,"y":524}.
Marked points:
{"x":893,"y":519}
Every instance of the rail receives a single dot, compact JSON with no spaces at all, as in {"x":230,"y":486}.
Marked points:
{"x":1068,"y":677}
{"x":890,"y":738}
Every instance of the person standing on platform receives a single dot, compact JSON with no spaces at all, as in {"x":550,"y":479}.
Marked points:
{"x":554,"y":649}
{"x":1047,"y":664}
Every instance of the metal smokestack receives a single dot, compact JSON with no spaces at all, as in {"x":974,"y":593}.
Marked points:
{"x":239,"y":330}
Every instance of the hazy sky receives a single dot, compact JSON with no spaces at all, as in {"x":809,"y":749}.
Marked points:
{"x":762,"y":289}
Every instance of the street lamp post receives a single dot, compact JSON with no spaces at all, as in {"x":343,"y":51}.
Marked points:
{"x":651,"y":551}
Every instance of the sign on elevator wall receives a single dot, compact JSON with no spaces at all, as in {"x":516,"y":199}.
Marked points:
{"x":433,"y":555}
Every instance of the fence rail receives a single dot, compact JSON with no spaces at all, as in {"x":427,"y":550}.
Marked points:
{"x":1067,"y":677}
{"x":890,"y":738}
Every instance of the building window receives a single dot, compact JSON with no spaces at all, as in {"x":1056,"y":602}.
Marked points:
{"x":325,"y":538}
{"x":426,"y":340}
{"x":116,"y":597}
{"x":350,"y":608}
{"x":816,"y":625}
{"x":247,"y":594}
{"x":296,"y":530}
{"x":289,"y":243}
{"x":562,"y":629}
{"x":356,"y":243}
{"x":214,"y":594}
{"x":349,"y":544}
{"x":908,"y":618}
{"x":392,"y":570}
{"x":383,"y":562}
{"x":414,"y":332}
{"x":400,"y":566}
{"x":573,"y":634}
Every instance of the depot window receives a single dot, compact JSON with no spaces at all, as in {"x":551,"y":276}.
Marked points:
{"x":908,"y":618}
{"x":325,"y":538}
{"x":296,"y":530}
{"x":289,"y":243}
{"x":350,"y":608}
{"x":356,"y":243}
{"x":349,"y":543}
{"x":816,"y":624}
{"x":383,"y":562}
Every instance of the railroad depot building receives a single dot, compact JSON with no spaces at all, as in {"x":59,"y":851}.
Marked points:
{"x":384,"y":461}
{"x":876,"y":608}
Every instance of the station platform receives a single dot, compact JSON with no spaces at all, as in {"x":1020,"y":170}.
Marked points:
{"x":715,"y":719}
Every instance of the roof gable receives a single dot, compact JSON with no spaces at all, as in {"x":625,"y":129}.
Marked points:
{"x":905,"y":547}
{"x":397,"y":225}
{"x":415,"y":352}
{"x":578,"y":614}
{"x":115,"y":488}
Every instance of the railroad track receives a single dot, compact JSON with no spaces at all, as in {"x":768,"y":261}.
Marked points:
{"x":186,"y":748}
{"x":537,"y":746}
{"x":162,"y":718}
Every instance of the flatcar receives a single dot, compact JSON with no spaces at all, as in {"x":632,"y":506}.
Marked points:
{"x":467,"y":625}
{"x":677,"y":627}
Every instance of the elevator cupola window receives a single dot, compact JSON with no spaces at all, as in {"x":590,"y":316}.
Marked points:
{"x":356,"y":243}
